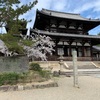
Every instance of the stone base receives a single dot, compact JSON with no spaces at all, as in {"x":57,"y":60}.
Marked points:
{"x":28,"y":86}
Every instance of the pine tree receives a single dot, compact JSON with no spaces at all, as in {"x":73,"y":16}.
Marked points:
{"x":10,"y":10}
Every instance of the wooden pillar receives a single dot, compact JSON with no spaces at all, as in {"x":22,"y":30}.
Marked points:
{"x":57,"y":26}
{"x":56,"y":46}
{"x":70,"y":53}
{"x":49,"y":25}
{"x":63,"y":48}
{"x":65,"y":51}
{"x":70,"y":50}
{"x":83,"y":49}
{"x":77,"y":52}
{"x":77,"y":49}
{"x":97,"y":54}
{"x":91,"y":52}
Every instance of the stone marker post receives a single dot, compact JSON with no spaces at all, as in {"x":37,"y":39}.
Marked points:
{"x":75,"y":71}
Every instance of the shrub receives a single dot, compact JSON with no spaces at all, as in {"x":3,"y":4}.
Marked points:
{"x":8,"y":78}
{"x":14,"y":78}
{"x":35,"y":67}
{"x":23,"y":77}
{"x":45,"y":74}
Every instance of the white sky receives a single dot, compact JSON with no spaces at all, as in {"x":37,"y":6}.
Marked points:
{"x":87,"y":8}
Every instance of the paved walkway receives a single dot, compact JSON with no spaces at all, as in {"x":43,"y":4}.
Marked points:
{"x":89,"y":90}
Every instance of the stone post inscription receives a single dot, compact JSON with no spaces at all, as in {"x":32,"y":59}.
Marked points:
{"x":75,"y":70}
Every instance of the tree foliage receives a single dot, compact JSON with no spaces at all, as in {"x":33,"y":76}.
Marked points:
{"x":38,"y":46}
{"x":12,"y":43}
{"x":34,"y":47}
{"x":10,"y":10}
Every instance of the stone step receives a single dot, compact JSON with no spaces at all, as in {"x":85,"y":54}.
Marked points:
{"x":54,"y":65}
{"x":83,"y":72}
{"x":82,"y":65}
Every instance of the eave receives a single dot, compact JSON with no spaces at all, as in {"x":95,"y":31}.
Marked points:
{"x":93,"y":38}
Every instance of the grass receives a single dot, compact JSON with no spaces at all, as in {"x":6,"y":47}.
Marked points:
{"x":34,"y":74}
{"x":27,"y":77}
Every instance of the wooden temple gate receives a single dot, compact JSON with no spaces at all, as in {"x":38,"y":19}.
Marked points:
{"x":68,"y":31}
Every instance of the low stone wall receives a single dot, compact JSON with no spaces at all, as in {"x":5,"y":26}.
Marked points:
{"x":14,"y":64}
{"x":28,"y":86}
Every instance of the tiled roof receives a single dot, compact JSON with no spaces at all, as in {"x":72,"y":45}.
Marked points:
{"x":67,"y":15}
{"x":66,"y":34}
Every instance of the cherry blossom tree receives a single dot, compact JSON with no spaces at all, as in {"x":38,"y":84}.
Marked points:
{"x":42,"y":45}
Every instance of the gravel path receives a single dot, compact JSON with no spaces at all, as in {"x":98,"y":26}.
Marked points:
{"x":89,"y":90}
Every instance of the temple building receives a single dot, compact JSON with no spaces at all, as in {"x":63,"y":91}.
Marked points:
{"x":68,"y":31}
